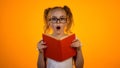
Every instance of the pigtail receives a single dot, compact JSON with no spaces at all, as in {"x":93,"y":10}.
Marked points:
{"x":70,"y":18}
{"x":46,"y":26}
{"x":46,"y":11}
{"x":68,"y":11}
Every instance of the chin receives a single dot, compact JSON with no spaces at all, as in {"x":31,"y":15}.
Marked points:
{"x":58,"y":32}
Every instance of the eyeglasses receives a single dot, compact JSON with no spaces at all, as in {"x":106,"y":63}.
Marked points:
{"x":55,"y":20}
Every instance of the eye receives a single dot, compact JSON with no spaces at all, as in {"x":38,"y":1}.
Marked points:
{"x":53,"y":19}
{"x":63,"y":19}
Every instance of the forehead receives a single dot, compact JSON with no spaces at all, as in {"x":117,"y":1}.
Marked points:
{"x":57,"y":13}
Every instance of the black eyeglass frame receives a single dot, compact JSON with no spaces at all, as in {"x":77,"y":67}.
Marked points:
{"x":55,"y":20}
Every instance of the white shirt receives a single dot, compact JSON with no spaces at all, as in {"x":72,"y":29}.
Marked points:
{"x":56,"y":64}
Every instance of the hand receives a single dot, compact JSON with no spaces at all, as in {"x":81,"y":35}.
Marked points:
{"x":76,"y":44}
{"x":41,"y":45}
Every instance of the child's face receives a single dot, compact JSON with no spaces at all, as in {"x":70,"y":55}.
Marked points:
{"x":58,"y":20}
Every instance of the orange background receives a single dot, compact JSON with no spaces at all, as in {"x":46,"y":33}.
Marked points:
{"x":96,"y":23}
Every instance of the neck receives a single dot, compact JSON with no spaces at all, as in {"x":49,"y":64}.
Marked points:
{"x":58,"y":34}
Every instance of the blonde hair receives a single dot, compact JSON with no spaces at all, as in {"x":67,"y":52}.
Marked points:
{"x":68,"y":13}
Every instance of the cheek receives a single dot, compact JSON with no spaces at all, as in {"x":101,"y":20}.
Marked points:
{"x":63,"y":26}
{"x":52,"y":26}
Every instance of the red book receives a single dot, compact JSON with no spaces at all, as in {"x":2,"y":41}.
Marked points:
{"x":59,"y":49}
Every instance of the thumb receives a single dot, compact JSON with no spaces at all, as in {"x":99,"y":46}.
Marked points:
{"x":44,"y":46}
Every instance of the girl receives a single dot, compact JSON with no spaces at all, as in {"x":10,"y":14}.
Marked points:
{"x":60,"y":20}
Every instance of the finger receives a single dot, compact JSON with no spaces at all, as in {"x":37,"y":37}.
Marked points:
{"x":43,"y":43}
{"x":72,"y":45}
{"x":43,"y":47}
{"x":75,"y":40}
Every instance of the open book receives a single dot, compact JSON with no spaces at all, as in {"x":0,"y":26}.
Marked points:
{"x":59,"y":49}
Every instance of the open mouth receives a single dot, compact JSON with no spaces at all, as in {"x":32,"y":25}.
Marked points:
{"x":58,"y":27}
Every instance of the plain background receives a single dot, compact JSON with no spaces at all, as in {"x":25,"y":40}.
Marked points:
{"x":96,"y":24}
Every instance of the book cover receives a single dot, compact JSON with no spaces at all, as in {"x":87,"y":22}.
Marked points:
{"x":59,"y":49}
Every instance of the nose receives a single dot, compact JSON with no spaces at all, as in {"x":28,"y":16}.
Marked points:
{"x":58,"y":21}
